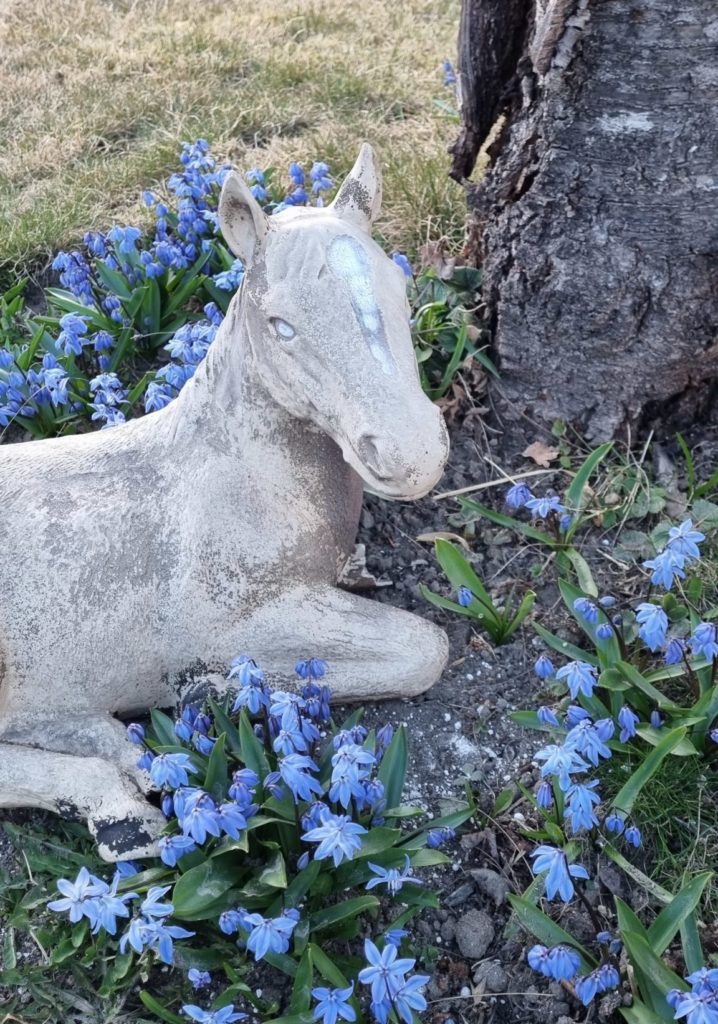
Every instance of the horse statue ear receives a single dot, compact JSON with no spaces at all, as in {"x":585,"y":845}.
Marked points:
{"x":359,"y":198}
{"x":241,"y":218}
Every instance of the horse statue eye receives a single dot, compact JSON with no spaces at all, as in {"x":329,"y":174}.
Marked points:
{"x":283,"y":329}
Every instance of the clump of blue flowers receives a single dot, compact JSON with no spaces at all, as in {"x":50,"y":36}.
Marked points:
{"x":280,"y":827}
{"x":606,"y":704}
{"x":130,"y":299}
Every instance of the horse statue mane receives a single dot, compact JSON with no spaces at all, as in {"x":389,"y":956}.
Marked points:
{"x":139,"y":560}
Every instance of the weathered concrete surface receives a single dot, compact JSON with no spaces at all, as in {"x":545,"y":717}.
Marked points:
{"x":218,"y":525}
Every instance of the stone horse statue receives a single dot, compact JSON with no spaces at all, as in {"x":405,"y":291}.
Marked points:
{"x":220,"y":524}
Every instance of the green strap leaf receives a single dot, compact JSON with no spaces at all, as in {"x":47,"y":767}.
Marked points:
{"x":659,"y":979}
{"x":672,"y":917}
{"x":340,"y":911}
{"x":392,"y":770}
{"x":253,"y":753}
{"x":564,"y":647}
{"x":159,"y":1010}
{"x":163,"y":727}
{"x":508,"y":521}
{"x":576,"y":493}
{"x":540,"y":925}
{"x":628,"y":794}
{"x":302,"y":988}
{"x":460,"y":574}
{"x":640,"y":682}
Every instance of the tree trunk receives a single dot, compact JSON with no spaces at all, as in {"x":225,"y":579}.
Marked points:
{"x":598,"y":215}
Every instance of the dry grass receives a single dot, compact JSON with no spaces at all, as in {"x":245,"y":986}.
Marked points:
{"x":96,"y":95}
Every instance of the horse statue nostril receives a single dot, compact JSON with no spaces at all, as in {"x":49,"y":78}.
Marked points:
{"x":369,"y":455}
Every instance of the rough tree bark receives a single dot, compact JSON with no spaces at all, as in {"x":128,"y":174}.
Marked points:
{"x":598,"y":216}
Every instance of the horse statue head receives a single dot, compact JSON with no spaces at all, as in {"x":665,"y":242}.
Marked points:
{"x":326,"y":319}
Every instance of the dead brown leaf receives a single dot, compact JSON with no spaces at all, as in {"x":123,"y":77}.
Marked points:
{"x":541,"y":454}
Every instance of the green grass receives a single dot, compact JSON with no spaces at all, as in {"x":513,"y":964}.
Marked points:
{"x":677,"y":813}
{"x":96,"y":96}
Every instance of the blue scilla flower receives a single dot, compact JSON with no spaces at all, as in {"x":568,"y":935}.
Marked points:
{"x":402,"y":262}
{"x":586,"y":609}
{"x":337,"y":836}
{"x":203,"y":744}
{"x":232,"y":921}
{"x":253,"y":693}
{"x":699,"y":1006}
{"x":628,"y":720}
{"x":230,"y":280}
{"x":225,"y":1015}
{"x":159,"y":393}
{"x":559,"y":872}
{"x":386,"y":973}
{"x":319,"y":175}
{"x":704,"y":978}
{"x":604,"y":631}
{"x":144,"y":763}
{"x":675,"y":651}
{"x":653,"y":623}
{"x":547,"y":717}
{"x":614,"y":823}
{"x":168,"y":805}
{"x":231,"y":819}
{"x":269,"y":935}
{"x":125,"y":239}
{"x":544,"y":795}
{"x":145,"y":933}
{"x":135,"y":732}
{"x":575,"y":714}
{"x":296,"y":772}
{"x":599,"y":980}
{"x":408,"y":999}
{"x":169,"y":771}
{"x":581,"y":801}
{"x":104,"y":909}
{"x":541,"y":508}
{"x":73,"y":329}
{"x":437,"y":837}
{"x":197,"y":814}
{"x":703,"y":641}
{"x":296,"y":174}
{"x":589,"y":739}
{"x":655,"y":719}
{"x":449,"y":74}
{"x":665,"y":567}
{"x":562,"y":761}
{"x":559,"y":962}
{"x":350,"y":737}
{"x":332,"y":1004}
{"x":632,"y":835}
{"x":198,"y":979}
{"x":172,"y":848}
{"x":395,"y":936}
{"x":151,"y":907}
{"x":684,"y":540}
{"x":580,"y":677}
{"x":392,"y":878}
{"x":517,"y":495}
{"x":544,"y":667}
{"x":464,"y":597}
{"x":311,"y":668}
{"x":77,"y":895}
{"x":75,"y":275}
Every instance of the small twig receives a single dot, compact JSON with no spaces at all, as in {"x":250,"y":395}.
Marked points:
{"x":506,"y":479}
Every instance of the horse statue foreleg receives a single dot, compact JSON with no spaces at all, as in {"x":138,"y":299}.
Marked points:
{"x":81,"y":767}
